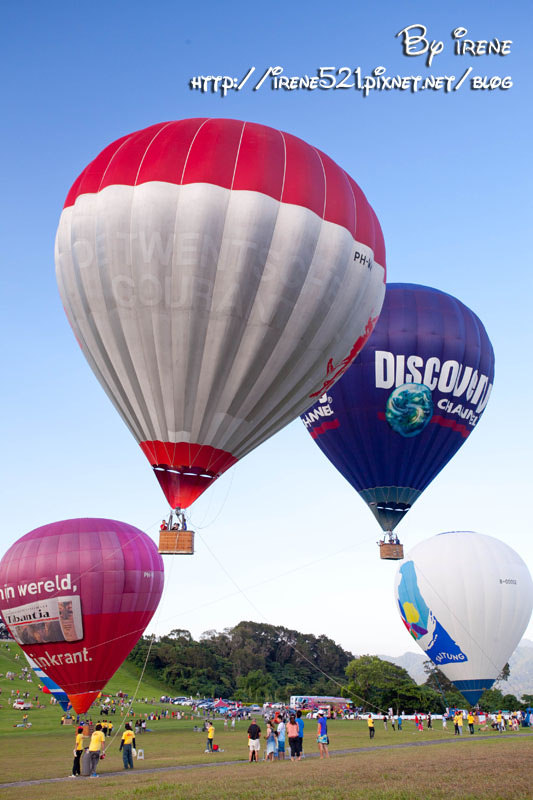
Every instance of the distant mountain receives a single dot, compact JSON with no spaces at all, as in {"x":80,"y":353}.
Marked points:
{"x":412,"y":662}
{"x":520,"y":680}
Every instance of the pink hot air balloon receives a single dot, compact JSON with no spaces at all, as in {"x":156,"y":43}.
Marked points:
{"x":77,"y":595}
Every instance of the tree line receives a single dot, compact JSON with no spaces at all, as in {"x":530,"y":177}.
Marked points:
{"x":256,"y":662}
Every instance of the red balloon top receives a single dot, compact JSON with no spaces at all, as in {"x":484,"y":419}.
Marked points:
{"x":232,"y":154}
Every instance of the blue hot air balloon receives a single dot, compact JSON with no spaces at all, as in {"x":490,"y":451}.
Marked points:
{"x":407,"y":403}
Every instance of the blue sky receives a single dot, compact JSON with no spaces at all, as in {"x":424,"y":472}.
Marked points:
{"x":449,"y":177}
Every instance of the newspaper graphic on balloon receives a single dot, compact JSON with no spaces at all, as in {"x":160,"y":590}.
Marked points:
{"x":55,"y":619}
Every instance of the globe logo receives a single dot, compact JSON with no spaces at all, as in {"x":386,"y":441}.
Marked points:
{"x":409,"y":409}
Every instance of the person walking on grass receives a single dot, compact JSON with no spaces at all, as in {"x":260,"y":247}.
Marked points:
{"x":96,"y":749}
{"x":126,"y":745}
{"x":254,"y":735}
{"x":371,"y":729}
{"x":322,"y":735}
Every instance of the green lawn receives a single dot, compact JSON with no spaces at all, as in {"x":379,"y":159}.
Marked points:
{"x":458,"y":769}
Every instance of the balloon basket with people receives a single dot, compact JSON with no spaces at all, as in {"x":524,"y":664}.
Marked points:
{"x":174,"y":536}
{"x":390,"y":547}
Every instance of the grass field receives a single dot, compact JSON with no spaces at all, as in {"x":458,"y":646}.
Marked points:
{"x":497,"y":766}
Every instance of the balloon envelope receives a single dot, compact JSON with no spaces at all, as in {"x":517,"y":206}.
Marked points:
{"x":466,"y":599}
{"x":409,"y":400}
{"x":217,"y":275}
{"x":77,"y":595}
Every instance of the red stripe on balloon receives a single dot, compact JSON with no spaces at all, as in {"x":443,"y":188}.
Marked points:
{"x":379,"y":242}
{"x":304,"y":183}
{"x":340,"y":200}
{"x":166,"y":157}
{"x":365,"y":230}
{"x":243,"y":156}
{"x":443,"y":422}
{"x":213,"y":153}
{"x":326,"y":426}
{"x":184,"y":470}
{"x":262,"y":150}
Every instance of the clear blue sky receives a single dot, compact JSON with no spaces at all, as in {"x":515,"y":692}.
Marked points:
{"x":449,"y":176}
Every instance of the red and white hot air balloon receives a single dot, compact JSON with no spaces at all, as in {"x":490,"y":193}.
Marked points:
{"x":218,"y":276}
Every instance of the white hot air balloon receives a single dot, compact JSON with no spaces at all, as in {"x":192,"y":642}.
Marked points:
{"x":466,"y":599}
{"x":218,"y":275}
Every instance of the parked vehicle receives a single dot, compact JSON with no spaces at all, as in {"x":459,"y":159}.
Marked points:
{"x":22,"y":705}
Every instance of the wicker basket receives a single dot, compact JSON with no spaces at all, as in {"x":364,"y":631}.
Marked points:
{"x":390,"y":552}
{"x":176,"y":543}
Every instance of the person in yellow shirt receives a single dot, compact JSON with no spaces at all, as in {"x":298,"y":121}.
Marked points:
{"x":126,"y":745}
{"x":210,"y":736}
{"x":96,"y":748}
{"x":78,"y":750}
{"x":470,"y":720}
{"x":456,"y":718}
{"x":371,"y":729}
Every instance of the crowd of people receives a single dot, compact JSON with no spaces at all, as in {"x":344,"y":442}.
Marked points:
{"x":459,"y":718}
{"x":282,"y":731}
{"x":283,"y":734}
{"x":286,"y":730}
{"x":96,"y":748}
